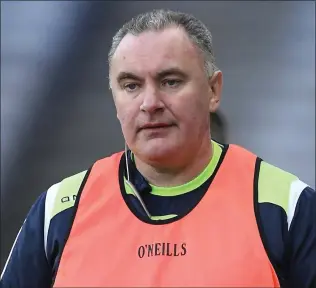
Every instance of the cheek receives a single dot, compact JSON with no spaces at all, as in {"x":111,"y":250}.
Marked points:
{"x":126,"y":116}
{"x":193,"y":110}
{"x":125,"y":119}
{"x":193,"y":105}
{"x":122,"y":110}
{"x":127,"y":112}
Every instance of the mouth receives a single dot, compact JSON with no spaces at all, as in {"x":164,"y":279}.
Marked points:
{"x":156,"y":126}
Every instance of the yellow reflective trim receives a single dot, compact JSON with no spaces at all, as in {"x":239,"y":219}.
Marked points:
{"x":196,"y":182}
{"x":163,"y":217}
{"x":274,"y":185}
{"x":128,"y":189}
{"x":193,"y":184}
{"x":67,"y":192}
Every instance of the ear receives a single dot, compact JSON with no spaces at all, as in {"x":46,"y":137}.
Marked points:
{"x":216,"y":85}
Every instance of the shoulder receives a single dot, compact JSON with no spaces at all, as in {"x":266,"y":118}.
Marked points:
{"x":62,"y":195}
{"x":279,"y":187}
{"x":58,"y":214}
{"x":285,"y":208}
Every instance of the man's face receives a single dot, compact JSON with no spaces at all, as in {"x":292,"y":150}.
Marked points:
{"x":162,"y":94}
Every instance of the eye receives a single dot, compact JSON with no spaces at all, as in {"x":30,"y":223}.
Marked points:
{"x":172,"y":83}
{"x":130,"y":87}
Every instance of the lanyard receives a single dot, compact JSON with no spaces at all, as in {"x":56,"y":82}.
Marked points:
{"x":132,"y":187}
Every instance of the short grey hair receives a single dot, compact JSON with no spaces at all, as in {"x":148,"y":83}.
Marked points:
{"x":158,"y":20}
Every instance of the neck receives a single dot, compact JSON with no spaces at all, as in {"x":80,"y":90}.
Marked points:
{"x":167,"y":175}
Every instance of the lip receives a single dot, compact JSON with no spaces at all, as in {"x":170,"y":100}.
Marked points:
{"x":155,"y":126}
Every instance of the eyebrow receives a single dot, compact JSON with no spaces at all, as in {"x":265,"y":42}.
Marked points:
{"x":127,"y":75}
{"x":171,"y":71}
{"x":161,"y":74}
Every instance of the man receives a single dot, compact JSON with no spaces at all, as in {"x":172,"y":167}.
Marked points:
{"x":176,"y":208}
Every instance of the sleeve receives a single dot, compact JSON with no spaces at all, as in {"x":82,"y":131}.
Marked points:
{"x":27,"y":265}
{"x":286,"y":217}
{"x":301,"y":246}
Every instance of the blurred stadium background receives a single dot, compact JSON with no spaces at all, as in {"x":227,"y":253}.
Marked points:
{"x":57,"y":114}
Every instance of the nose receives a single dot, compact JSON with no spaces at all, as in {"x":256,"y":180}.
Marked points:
{"x":151,"y":101}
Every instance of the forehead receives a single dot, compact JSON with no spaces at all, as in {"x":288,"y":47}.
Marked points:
{"x":152,"y":51}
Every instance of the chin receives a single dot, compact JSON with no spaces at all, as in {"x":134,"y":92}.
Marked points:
{"x":158,"y":149}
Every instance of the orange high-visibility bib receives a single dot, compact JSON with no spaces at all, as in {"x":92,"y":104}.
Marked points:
{"x":216,"y":245}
